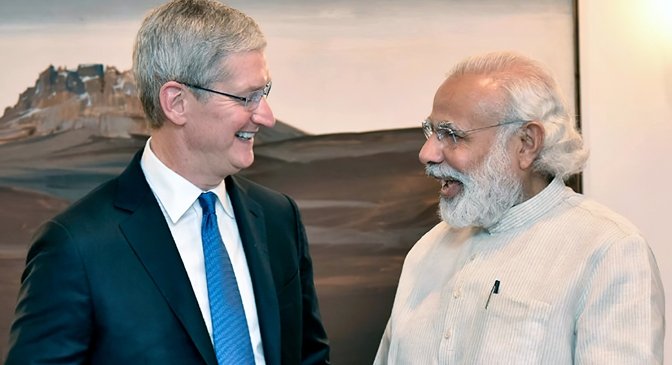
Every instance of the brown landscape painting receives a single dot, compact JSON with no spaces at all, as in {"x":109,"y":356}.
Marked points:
{"x":363,"y":196}
{"x":351,"y":80}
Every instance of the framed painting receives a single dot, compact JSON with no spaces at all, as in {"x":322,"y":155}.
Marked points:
{"x":351,"y":82}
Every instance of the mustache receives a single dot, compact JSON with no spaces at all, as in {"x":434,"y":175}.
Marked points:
{"x":443,"y":171}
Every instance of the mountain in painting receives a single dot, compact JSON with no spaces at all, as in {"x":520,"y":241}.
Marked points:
{"x":93,"y":97}
{"x":364,"y":197}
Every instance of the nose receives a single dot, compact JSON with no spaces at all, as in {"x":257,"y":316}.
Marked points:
{"x":431,"y":151}
{"x":263,"y":115}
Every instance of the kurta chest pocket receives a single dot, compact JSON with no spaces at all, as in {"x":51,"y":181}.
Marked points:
{"x":513,"y":330}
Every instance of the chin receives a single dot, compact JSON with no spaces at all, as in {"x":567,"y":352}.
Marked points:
{"x":245,"y":163}
{"x":241,"y":156}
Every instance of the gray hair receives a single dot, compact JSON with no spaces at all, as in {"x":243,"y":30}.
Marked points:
{"x":530,"y":93}
{"x":187,"y":41}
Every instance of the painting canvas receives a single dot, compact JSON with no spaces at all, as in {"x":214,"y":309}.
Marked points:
{"x":351,"y":81}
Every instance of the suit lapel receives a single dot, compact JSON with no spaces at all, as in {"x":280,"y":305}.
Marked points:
{"x":250,"y":221}
{"x":149,"y":237}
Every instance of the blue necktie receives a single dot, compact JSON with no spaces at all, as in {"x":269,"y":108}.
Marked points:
{"x":230,"y":334}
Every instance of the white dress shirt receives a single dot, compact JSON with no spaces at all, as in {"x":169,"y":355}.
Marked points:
{"x":178,"y":199}
{"x":577,"y":285}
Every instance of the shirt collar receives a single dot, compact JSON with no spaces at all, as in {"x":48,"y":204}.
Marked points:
{"x":532,"y":209}
{"x":175,"y":193}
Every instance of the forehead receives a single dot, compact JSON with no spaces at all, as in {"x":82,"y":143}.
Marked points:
{"x":246,"y":71}
{"x":468,"y":101}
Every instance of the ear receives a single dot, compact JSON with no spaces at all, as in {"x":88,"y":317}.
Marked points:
{"x":532,"y":140}
{"x":173,"y":102}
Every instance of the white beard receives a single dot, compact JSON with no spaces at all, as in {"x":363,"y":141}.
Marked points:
{"x":487,"y":193}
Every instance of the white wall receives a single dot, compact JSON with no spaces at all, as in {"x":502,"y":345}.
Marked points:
{"x":626,"y":100}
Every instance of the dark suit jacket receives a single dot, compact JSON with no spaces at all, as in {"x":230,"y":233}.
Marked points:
{"x":104,"y":282}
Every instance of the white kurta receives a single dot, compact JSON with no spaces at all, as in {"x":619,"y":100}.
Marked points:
{"x":577,"y":285}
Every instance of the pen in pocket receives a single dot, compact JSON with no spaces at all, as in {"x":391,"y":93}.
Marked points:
{"x":494,"y":290}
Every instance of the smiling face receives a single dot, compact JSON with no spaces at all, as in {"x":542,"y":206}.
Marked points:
{"x":217,"y":129}
{"x":486,"y":192}
{"x":476,"y":172}
{"x":465,"y":102}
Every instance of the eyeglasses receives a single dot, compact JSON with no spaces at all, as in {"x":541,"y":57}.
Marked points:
{"x":447,"y":129}
{"x":250,"y":102}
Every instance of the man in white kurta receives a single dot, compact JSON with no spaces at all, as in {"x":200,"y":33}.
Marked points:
{"x":577,"y":285}
{"x":542,"y":275}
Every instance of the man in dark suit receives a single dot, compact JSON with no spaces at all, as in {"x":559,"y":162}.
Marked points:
{"x":178,"y":261}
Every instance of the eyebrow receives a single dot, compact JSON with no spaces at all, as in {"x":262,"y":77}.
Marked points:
{"x":447,"y":124}
{"x":255,"y":88}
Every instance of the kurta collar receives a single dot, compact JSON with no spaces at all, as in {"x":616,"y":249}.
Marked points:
{"x":532,"y":209}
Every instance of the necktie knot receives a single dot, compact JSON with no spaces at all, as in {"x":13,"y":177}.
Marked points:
{"x":207,"y":201}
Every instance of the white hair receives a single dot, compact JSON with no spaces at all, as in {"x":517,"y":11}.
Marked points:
{"x":488,"y":191}
{"x":531,"y":94}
